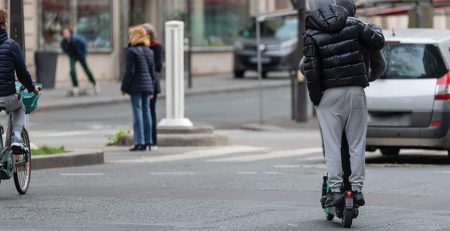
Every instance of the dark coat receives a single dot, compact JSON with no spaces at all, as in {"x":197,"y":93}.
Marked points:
{"x":140,"y":71}
{"x":76,"y":48}
{"x":158,"y":54}
{"x":12,"y":60}
{"x":334,"y":55}
{"x":374,"y":61}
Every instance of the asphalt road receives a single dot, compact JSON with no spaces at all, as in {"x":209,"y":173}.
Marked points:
{"x":268,"y":181}
{"x":230,"y":188}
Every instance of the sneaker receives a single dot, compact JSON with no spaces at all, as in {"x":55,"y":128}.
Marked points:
{"x":75,"y":91}
{"x":17,"y":145}
{"x":358,"y":198}
{"x":154,"y":147}
{"x":333,"y":199}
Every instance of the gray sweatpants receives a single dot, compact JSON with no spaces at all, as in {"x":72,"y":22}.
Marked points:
{"x":344,"y":109}
{"x":14,"y":105}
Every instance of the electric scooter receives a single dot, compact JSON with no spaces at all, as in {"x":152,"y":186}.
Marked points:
{"x":347,"y":211}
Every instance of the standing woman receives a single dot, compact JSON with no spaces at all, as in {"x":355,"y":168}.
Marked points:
{"x":138,"y":82}
{"x":158,"y":57}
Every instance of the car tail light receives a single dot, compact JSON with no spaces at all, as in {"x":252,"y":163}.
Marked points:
{"x":349,"y":194}
{"x":443,"y":88}
{"x":436,"y":123}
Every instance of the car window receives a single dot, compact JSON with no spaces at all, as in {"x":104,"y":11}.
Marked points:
{"x":281,"y":28}
{"x":413,"y":61}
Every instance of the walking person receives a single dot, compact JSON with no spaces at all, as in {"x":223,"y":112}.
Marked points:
{"x":138,"y":82}
{"x":76,"y":49}
{"x":158,"y":57}
{"x":12,"y":61}
{"x":335,"y":69}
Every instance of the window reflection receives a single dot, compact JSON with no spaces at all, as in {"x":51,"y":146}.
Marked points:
{"x":91,"y":19}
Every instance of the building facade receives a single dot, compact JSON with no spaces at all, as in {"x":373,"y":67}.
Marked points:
{"x":104,"y":24}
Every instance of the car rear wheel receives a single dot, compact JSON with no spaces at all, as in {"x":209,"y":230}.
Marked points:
{"x":264,"y":75}
{"x":239,"y":74}
{"x":391,"y":151}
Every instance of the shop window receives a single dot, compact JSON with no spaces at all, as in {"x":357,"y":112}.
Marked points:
{"x":90,"y":19}
{"x":214,"y":23}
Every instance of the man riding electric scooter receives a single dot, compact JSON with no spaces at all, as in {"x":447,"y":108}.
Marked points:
{"x":335,"y":66}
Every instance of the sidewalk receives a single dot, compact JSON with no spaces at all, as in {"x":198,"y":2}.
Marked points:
{"x":57,"y":99}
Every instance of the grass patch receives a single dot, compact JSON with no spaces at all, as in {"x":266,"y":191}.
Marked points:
{"x":115,"y":139}
{"x":46,"y":150}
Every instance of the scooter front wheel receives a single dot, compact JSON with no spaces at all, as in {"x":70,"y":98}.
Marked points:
{"x":347,"y":218}
{"x":330,"y":216}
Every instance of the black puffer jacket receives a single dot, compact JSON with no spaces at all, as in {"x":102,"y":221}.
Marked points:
{"x":333,"y":53}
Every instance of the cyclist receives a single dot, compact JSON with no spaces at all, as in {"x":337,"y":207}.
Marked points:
{"x":12,"y":60}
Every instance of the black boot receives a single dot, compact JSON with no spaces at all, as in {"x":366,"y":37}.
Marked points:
{"x":333,"y":199}
{"x":323,"y":199}
{"x":358,"y":198}
{"x":137,"y":148}
{"x":149,"y":146}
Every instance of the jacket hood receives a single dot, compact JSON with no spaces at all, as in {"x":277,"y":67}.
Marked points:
{"x":316,"y":4}
{"x":349,"y":5}
{"x":330,"y":18}
{"x":3,"y":36}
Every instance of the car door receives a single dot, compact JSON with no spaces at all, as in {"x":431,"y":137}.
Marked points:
{"x":404,"y":96}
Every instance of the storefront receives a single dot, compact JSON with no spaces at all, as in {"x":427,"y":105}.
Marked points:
{"x":104,"y":24}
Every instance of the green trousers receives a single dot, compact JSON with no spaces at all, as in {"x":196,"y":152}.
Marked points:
{"x":73,"y":72}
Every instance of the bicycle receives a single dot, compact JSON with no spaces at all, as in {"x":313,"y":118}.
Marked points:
{"x":17,"y":165}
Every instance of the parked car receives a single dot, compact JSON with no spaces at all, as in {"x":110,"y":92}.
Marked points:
{"x":409,"y":107}
{"x":279,"y":42}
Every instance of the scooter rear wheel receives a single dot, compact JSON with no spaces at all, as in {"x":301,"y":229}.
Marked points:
{"x":347,"y":218}
{"x":330,"y":216}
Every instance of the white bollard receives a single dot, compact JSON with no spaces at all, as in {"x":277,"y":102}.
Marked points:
{"x":175,"y":76}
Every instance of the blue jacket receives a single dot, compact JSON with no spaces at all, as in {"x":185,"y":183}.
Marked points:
{"x":79,"y":47}
{"x":11,"y":60}
{"x":140,"y":71}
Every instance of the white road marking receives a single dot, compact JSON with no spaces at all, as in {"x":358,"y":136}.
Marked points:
{"x":318,"y":157}
{"x":269,"y":156}
{"x":287,"y":166}
{"x":82,"y":174}
{"x":198,"y":154}
{"x":172,"y":173}
{"x":273,"y":173}
{"x":442,"y":172}
{"x":247,"y":173}
{"x":61,"y":134}
{"x":320,"y":166}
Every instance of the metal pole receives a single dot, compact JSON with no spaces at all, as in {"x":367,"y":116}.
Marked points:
{"x":301,"y":96}
{"x":418,"y":14}
{"x":189,"y":55}
{"x":259,"y":48}
{"x":17,"y":23}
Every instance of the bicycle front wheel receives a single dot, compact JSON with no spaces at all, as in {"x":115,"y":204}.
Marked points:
{"x":22,"y":165}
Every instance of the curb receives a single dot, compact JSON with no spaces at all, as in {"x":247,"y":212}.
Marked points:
{"x":122,"y":99}
{"x":73,"y":159}
{"x":260,"y":127}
